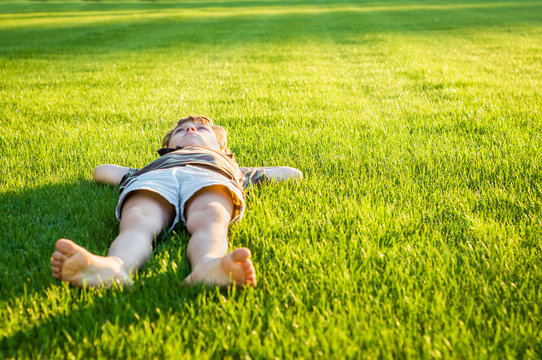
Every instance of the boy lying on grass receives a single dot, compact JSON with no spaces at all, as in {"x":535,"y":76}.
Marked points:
{"x":195,"y":180}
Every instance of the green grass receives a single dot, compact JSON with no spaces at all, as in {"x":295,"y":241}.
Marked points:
{"x":415,"y":233}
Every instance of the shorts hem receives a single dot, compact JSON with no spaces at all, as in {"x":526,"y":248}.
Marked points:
{"x":126,"y":192}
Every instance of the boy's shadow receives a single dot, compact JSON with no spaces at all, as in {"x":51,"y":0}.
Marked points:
{"x":91,"y":314}
{"x":34,"y":219}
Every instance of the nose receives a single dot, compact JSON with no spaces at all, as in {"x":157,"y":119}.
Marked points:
{"x":190,"y":128}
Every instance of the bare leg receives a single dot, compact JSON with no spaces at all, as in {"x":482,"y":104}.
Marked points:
{"x":207,"y":218}
{"x":144,"y":215}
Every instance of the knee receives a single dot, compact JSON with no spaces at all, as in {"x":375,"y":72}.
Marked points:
{"x":136,"y":216}
{"x":207,"y":216}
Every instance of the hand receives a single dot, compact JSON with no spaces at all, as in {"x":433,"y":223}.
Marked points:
{"x":283,"y":173}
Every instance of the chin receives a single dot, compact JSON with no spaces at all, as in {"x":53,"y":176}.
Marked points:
{"x":190,"y":143}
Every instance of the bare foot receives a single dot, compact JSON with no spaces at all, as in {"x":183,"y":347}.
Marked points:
{"x":234,"y":268}
{"x":77,"y":266}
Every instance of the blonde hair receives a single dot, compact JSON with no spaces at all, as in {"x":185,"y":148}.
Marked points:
{"x":220,"y":132}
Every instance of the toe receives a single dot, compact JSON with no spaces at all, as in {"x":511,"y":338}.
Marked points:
{"x":66,"y":247}
{"x":56,"y":262}
{"x":240,"y":255}
{"x":251,"y":281}
{"x":55,"y":271}
{"x":58,"y":256}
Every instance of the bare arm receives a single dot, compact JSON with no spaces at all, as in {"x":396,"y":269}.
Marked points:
{"x":281,"y":173}
{"x":110,"y":174}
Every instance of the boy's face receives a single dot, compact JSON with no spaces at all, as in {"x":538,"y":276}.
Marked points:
{"x":194,"y":133}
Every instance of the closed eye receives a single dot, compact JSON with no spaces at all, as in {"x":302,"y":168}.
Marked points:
{"x":198,"y":128}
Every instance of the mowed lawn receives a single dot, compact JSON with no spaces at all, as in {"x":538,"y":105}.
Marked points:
{"x":416,"y":232}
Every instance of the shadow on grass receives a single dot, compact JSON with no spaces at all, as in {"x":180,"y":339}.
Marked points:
{"x":167,"y":26}
{"x":44,"y":6}
{"x":63,"y":316}
{"x":104,"y":314}
{"x":84,"y":211}
{"x":70,"y":7}
{"x":34,"y":219}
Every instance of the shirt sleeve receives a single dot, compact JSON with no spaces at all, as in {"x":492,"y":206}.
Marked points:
{"x":130,"y":173}
{"x":253,"y":176}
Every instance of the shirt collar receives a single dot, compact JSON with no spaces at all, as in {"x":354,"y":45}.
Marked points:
{"x":167,"y":150}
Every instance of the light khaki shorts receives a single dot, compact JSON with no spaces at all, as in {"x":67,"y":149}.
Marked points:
{"x":177,"y":185}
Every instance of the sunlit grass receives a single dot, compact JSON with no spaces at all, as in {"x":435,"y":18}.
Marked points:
{"x":415,"y":233}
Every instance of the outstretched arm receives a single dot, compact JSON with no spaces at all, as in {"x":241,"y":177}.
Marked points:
{"x":278,"y":173}
{"x":110,"y":174}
